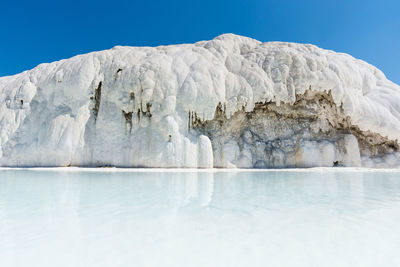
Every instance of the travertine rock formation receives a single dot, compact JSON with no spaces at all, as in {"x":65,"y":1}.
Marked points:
{"x":232,"y":101}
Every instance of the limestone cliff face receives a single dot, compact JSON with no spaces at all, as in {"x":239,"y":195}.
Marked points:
{"x":228,"y":102}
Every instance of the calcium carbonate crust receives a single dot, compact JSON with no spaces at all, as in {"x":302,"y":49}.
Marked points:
{"x":229,"y":102}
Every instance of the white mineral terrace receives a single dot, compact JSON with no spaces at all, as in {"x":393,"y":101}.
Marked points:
{"x":229,"y":102}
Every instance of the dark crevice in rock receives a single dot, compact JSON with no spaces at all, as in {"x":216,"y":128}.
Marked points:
{"x":96,"y":100}
{"x":117,"y":73}
{"x":128,"y":120}
{"x":144,"y":113}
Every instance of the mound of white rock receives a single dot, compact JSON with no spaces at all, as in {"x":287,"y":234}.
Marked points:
{"x":229,"y":102}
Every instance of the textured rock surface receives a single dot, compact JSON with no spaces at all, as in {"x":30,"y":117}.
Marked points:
{"x":231,"y":101}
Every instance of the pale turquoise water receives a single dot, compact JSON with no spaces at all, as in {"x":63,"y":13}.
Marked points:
{"x":305,"y":218}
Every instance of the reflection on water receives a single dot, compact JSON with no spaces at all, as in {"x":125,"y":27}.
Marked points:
{"x":50,"y":218}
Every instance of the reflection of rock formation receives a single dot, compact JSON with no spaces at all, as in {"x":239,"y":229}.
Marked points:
{"x":206,"y":188}
{"x":191,"y":189}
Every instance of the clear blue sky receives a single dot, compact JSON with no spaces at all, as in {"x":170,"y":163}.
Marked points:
{"x":33,"y":32}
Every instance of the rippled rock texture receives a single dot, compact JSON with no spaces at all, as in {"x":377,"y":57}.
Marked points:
{"x":229,"y":102}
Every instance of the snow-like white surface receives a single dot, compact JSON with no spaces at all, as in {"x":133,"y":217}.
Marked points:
{"x":215,"y":219}
{"x":47,"y":117}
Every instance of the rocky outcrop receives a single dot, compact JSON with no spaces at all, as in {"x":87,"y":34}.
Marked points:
{"x":312,"y":131}
{"x":229,"y":102}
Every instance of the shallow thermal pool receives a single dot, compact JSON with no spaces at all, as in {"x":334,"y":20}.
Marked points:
{"x":317,"y":217}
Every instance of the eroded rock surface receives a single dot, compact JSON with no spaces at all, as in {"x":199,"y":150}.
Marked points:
{"x":312,"y":131}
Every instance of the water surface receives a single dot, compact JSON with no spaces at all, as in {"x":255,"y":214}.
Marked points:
{"x":272,"y":218}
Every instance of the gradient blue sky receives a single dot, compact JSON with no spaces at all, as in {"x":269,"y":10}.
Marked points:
{"x":33,"y":32}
